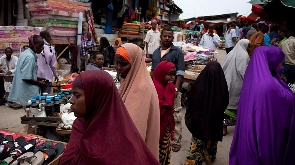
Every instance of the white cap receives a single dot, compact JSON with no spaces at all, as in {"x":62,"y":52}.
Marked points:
{"x":29,"y":102}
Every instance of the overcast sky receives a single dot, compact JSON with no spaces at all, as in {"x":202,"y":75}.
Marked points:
{"x":196,"y":8}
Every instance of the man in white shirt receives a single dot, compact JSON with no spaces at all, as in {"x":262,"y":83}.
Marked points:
{"x":152,"y":40}
{"x":8,"y":64}
{"x":210,"y":39}
{"x":288,"y":47}
{"x":230,"y":38}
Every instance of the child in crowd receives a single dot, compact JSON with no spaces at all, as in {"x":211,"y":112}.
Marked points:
{"x":96,"y":62}
{"x":163,"y":77}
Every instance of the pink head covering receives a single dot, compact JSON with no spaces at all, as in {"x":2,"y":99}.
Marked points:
{"x":140,"y":98}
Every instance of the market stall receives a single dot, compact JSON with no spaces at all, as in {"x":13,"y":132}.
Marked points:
{"x":51,"y":110}
{"x":17,"y":148}
{"x":133,"y":32}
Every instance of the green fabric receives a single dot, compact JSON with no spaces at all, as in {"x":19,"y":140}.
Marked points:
{"x":289,"y":3}
{"x":55,"y":25}
{"x":231,"y":113}
{"x":3,"y":163}
{"x":55,"y":21}
{"x":280,"y":44}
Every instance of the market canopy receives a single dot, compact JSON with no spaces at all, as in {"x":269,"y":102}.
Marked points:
{"x":249,"y":16}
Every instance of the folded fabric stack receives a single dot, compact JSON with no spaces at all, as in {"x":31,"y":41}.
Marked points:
{"x":16,"y":37}
{"x":60,"y":17}
{"x":131,"y":29}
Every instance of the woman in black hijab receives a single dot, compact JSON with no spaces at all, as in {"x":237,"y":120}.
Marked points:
{"x":107,"y":51}
{"x":207,"y":101}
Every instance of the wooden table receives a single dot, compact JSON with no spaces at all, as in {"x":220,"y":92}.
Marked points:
{"x":63,"y":131}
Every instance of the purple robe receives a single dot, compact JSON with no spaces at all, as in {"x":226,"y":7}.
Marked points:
{"x":265,"y":128}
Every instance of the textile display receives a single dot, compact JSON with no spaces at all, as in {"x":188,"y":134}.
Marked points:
{"x":131,"y":29}
{"x":16,"y":37}
{"x":60,"y":17}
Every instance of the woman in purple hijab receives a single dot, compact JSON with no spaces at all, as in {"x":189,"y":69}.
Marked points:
{"x":265,"y":128}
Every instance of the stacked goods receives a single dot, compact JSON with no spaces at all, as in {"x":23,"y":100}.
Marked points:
{"x":16,"y":37}
{"x":60,"y":17}
{"x":131,"y":29}
{"x":146,"y":27}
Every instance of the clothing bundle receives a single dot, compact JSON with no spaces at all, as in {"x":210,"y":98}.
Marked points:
{"x":60,"y":17}
{"x":16,"y":37}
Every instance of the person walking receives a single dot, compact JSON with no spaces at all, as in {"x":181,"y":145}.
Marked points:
{"x":26,"y":84}
{"x":139,"y":94}
{"x":234,"y":66}
{"x":163,"y":78}
{"x":288,"y":47}
{"x":152,"y":40}
{"x":8,"y":64}
{"x":251,"y":31}
{"x":207,"y":101}
{"x":46,"y":62}
{"x":265,"y":128}
{"x":257,"y":39}
{"x":210,"y":39}
{"x":231,"y":38}
{"x":173,"y":54}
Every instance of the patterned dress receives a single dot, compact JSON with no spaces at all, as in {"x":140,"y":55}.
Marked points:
{"x":201,"y":151}
{"x":165,"y":148}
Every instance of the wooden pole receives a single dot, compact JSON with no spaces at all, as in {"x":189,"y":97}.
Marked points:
{"x":62,"y":52}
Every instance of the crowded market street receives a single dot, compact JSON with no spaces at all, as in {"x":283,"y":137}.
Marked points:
{"x":10,"y":120}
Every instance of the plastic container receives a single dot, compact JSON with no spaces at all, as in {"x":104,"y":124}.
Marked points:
{"x":63,"y":99}
{"x":37,"y":98}
{"x":51,"y":98}
{"x":56,"y":105}
{"x":43,"y":99}
{"x":108,"y":29}
{"x":68,"y":95}
{"x":43,"y":103}
{"x":34,"y":108}
{"x":49,"y":108}
{"x":28,"y":110}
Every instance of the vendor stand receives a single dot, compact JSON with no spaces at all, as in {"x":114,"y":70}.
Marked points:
{"x":51,"y":111}
{"x":195,"y":58}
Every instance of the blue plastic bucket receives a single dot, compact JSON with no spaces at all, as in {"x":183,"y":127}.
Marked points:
{"x":108,"y":29}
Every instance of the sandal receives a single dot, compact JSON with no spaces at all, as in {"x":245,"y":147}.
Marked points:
{"x":175,"y":147}
{"x":30,"y":158}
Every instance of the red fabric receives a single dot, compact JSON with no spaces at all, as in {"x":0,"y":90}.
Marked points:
{"x":166,"y":95}
{"x":107,"y":134}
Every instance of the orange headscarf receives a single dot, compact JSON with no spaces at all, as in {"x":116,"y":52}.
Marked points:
{"x":122,"y":51}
